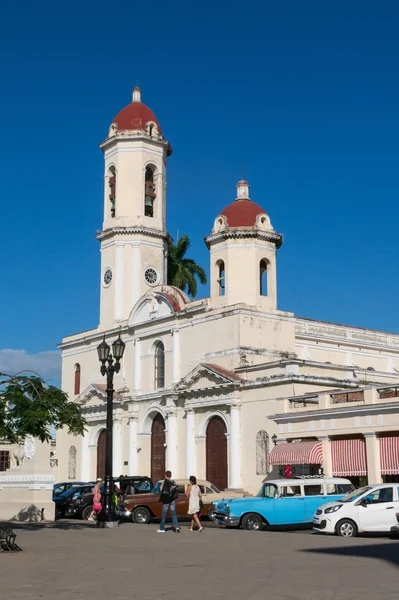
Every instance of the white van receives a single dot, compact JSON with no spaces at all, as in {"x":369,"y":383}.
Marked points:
{"x":370,"y":508}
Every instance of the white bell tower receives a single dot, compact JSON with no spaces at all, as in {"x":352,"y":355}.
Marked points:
{"x":134,"y":240}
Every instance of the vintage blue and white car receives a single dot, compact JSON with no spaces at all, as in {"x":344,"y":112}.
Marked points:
{"x":280,"y":502}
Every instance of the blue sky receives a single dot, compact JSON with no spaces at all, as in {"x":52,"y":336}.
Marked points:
{"x":300,"y":97}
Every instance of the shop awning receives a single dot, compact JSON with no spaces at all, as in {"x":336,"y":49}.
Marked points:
{"x":348,"y":458}
{"x":297,"y":453}
{"x":389,"y":455}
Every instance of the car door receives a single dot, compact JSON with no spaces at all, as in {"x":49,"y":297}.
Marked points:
{"x":377,"y":510}
{"x":289,"y":506}
{"x":315,"y":496}
{"x":182,"y":501}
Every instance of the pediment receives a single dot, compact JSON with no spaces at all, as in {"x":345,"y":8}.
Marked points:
{"x":161,"y":302}
{"x":205,"y":376}
{"x":93,"y":395}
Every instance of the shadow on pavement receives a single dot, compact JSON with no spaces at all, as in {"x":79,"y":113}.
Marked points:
{"x":62,"y":525}
{"x":388,"y":552}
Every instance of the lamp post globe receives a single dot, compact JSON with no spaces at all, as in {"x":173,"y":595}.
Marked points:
{"x":118,"y":348}
{"x":103,"y":351}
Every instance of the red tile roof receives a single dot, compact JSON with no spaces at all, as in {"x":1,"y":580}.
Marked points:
{"x":135,"y":116}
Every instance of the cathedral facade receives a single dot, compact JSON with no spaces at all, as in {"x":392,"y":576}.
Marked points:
{"x":199,"y":378}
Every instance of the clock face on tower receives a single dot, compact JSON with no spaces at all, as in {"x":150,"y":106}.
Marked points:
{"x":107,"y":278}
{"x":151,"y":276}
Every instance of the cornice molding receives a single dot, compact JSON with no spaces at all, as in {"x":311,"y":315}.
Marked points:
{"x":238,"y":233}
{"x":26,"y":480}
{"x":322,"y":413}
{"x":135,"y":230}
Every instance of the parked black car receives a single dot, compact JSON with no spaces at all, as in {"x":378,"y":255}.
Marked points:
{"x":60,"y":488}
{"x":66,"y":504}
{"x":83,"y":503}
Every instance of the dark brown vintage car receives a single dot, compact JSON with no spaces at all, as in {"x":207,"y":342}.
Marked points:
{"x":142,"y":508}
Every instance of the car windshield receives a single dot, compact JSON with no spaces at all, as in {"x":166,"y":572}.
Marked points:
{"x":214,"y":489}
{"x":268,"y":490}
{"x":157,"y":488}
{"x":356,"y":494}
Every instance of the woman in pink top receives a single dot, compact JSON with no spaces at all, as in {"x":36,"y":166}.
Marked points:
{"x":96,"y":500}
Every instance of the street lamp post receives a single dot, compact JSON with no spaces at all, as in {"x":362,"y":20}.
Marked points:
{"x":107,"y":515}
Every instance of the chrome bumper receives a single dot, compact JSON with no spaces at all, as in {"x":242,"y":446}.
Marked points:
{"x":224,"y":520}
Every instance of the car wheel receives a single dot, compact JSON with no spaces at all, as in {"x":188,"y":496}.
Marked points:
{"x":141,"y":515}
{"x":86,"y":512}
{"x":252,"y":522}
{"x":59,"y":514}
{"x":346,"y":528}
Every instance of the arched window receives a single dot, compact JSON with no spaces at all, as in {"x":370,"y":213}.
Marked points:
{"x":159,"y":365}
{"x":77,"y":379}
{"x":263,"y":277}
{"x":221,"y":278}
{"x":72,"y":463}
{"x":262,"y":452}
{"x":112,"y":191}
{"x":149,"y":192}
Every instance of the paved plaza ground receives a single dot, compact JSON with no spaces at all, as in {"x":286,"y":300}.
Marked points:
{"x":75,"y":560}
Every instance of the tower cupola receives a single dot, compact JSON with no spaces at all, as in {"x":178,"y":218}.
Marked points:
{"x":243,"y":248}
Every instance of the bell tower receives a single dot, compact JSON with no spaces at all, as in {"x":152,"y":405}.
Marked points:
{"x":133,"y":239}
{"x":243,"y":247}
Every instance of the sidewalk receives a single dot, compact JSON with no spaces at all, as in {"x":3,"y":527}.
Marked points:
{"x":73,"y":560}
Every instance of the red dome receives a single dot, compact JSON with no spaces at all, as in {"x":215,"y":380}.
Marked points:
{"x":242,"y":213}
{"x":135,"y":116}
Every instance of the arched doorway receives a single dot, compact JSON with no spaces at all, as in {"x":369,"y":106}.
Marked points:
{"x":216,"y":453}
{"x":158,"y":440}
{"x":101,"y":453}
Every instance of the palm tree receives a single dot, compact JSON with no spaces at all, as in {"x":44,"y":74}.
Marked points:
{"x":184,"y":272}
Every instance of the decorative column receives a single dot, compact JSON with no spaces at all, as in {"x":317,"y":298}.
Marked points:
{"x":132,"y":457}
{"x":84,"y":458}
{"x":117,"y":448}
{"x":119,"y":282}
{"x":373,"y":458}
{"x":191,"y":462}
{"x":171,"y":442}
{"x":235,"y":447}
{"x":135,"y":271}
{"x":137,"y":365}
{"x":176,"y":355}
{"x":327,"y":458}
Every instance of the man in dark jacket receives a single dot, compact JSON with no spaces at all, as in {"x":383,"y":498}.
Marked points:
{"x":168,"y":495}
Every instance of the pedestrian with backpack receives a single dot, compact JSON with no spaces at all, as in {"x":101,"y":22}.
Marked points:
{"x":168,"y":496}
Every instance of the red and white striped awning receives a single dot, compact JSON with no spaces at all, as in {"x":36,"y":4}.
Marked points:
{"x":297,"y":453}
{"x":348,"y":457}
{"x":389,"y":453}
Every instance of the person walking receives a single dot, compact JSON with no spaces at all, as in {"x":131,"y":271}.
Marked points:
{"x":168,"y":495}
{"x":96,"y":500}
{"x":194,"y":503}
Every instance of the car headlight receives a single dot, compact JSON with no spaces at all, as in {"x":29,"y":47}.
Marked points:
{"x":333,"y":509}
{"x":227,"y":507}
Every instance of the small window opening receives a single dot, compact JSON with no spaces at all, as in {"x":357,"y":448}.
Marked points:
{"x":263,"y":277}
{"x":77,"y":380}
{"x":112,"y":192}
{"x":159,"y":366}
{"x":221,"y":279}
{"x":149,"y":193}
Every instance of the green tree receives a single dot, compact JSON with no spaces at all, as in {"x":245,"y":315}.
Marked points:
{"x":184,"y":272}
{"x":30,"y":407}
